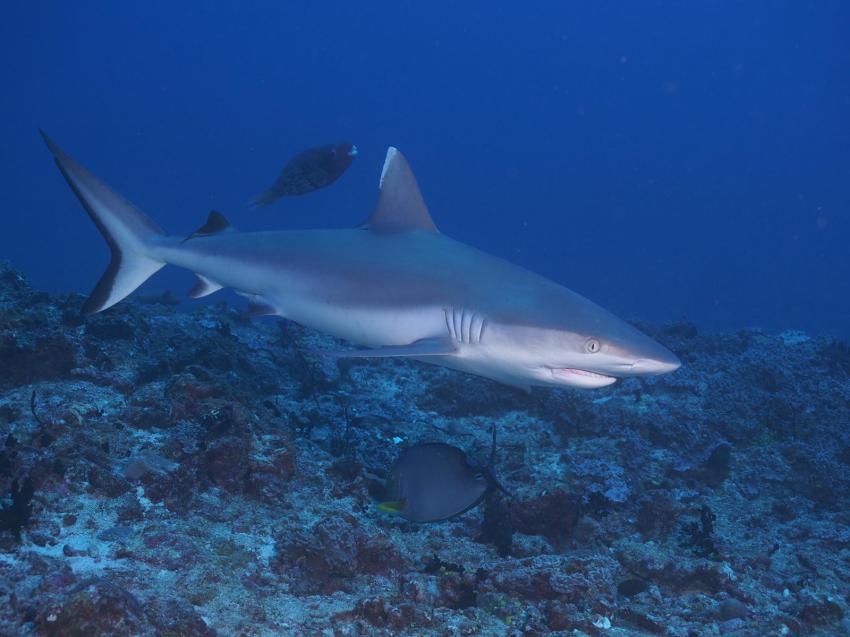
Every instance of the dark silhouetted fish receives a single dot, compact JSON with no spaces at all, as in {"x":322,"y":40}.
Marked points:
{"x":433,"y":481}
{"x":308,"y":171}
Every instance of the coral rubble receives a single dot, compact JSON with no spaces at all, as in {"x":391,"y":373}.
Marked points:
{"x":200,"y":474}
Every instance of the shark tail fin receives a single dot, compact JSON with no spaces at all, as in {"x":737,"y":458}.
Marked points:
{"x":128,"y":232}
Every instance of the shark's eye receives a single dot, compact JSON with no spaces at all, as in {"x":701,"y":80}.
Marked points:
{"x":592,"y":345}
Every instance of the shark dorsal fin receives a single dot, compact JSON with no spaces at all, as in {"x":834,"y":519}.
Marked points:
{"x":216,"y":223}
{"x":400,"y":204}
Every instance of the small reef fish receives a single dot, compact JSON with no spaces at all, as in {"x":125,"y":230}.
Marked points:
{"x":433,"y":481}
{"x":308,"y":171}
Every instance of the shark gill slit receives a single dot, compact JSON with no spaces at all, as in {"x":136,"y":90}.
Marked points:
{"x":456,"y":326}
{"x":448,"y":325}
{"x":464,"y":326}
{"x":475,"y":327}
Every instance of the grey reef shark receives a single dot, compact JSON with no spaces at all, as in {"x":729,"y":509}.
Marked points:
{"x":395,"y":286}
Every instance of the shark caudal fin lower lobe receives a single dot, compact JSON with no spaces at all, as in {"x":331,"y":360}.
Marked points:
{"x":127,"y":231}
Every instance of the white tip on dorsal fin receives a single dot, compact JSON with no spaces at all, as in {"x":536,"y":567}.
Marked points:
{"x":400,"y":204}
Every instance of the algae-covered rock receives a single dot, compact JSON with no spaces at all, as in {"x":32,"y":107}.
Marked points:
{"x":198,"y":474}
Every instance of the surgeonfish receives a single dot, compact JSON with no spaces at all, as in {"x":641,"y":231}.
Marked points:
{"x":433,"y":481}
{"x":310,"y":170}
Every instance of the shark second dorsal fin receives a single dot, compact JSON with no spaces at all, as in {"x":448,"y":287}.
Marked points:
{"x":216,"y":223}
{"x":400,"y":205}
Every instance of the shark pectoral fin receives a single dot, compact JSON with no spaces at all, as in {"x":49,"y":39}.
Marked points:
{"x":204,"y":287}
{"x":424,"y":347}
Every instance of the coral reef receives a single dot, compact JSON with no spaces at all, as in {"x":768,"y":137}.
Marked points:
{"x":200,"y":474}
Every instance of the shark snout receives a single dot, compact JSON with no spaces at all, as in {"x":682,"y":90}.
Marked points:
{"x":639,"y":355}
{"x":654,"y":366}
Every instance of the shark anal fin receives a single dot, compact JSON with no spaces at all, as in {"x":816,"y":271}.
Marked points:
{"x":216,"y":223}
{"x":400,"y":205}
{"x":203,"y":287}
{"x":424,"y":347}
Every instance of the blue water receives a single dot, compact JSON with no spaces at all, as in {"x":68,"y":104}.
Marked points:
{"x":666,"y":159}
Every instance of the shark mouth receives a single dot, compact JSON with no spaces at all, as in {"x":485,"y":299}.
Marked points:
{"x":581,"y":377}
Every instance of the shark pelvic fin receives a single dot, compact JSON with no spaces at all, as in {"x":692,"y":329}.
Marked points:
{"x":424,"y":347}
{"x":204,"y":287}
{"x":216,"y":223}
{"x":400,"y":205}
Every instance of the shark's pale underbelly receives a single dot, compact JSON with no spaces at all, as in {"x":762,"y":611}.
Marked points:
{"x":369,"y":326}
